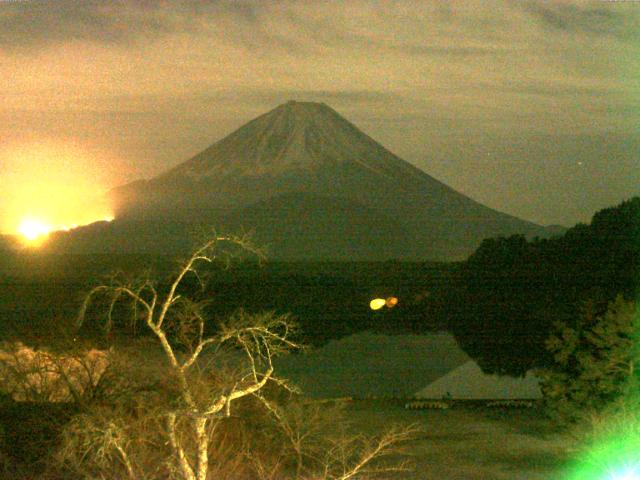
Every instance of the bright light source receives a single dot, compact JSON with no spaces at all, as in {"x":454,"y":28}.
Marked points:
{"x":55,"y":184}
{"x":629,"y":473}
{"x":33,"y":230}
{"x":391,"y":302}
{"x":377,"y":303}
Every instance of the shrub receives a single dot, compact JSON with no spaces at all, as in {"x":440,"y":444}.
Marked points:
{"x":27,"y":374}
{"x":595,"y":362}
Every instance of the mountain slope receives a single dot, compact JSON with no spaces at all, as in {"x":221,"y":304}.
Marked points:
{"x":287,"y":226}
{"x":306,"y":152}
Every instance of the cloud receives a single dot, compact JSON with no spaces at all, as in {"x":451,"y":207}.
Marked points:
{"x":405,"y":48}
{"x":31,"y":24}
{"x":28,"y":24}
{"x":608,"y":19}
{"x":421,"y":27}
{"x":556,"y":89}
{"x":154,"y":81}
{"x":414,"y":27}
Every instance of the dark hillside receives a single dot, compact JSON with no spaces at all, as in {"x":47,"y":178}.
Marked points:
{"x":510,"y":291}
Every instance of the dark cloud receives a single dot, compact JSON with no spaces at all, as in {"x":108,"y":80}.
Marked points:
{"x":554,"y":90}
{"x":37,"y":23}
{"x":451,"y":50}
{"x":593,"y":18}
{"x":393,"y":31}
{"x":28,"y":24}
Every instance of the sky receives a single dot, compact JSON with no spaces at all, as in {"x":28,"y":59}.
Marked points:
{"x":530,"y":107}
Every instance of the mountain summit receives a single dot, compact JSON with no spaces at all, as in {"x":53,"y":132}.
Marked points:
{"x":310,"y":185}
{"x":296,"y":136}
{"x":297,"y":147}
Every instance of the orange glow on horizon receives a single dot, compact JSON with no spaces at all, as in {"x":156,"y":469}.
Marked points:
{"x":33,"y":230}
{"x":49,"y":187}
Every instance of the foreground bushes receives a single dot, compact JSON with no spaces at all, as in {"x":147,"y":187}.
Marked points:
{"x":122,"y":433}
{"x":593,"y":390}
{"x":596,"y":363}
{"x":193,"y":406}
{"x":41,"y":375}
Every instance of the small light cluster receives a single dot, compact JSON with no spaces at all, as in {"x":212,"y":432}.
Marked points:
{"x":426,"y":404}
{"x":511,"y":404}
{"x":378,"y":303}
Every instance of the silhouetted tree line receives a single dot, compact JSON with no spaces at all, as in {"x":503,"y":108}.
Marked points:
{"x":505,"y":298}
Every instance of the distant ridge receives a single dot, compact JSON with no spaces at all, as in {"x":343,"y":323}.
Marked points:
{"x":310,"y":185}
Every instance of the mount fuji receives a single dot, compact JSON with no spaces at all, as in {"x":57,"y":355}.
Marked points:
{"x":310,"y":186}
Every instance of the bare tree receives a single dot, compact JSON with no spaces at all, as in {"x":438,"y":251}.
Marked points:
{"x":258,"y":337}
{"x":208,"y":375}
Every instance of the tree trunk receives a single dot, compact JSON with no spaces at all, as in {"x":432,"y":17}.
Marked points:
{"x":200,"y":425}
{"x":178,"y":451}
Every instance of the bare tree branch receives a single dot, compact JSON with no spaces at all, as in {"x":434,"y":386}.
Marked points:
{"x":204,"y":401}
